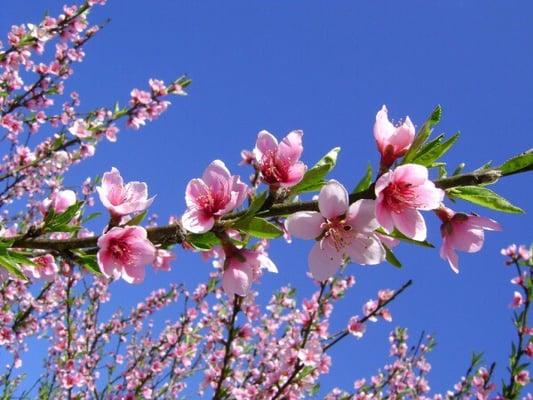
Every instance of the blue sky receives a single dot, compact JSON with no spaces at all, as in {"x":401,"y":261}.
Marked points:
{"x":326,"y":68}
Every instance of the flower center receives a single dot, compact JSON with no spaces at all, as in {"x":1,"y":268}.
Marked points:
{"x":400,"y":195}
{"x":121,"y":251}
{"x":273,"y":169}
{"x":339,"y":233}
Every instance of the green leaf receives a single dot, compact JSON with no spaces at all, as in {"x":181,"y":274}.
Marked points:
{"x":484,"y":197}
{"x":59,"y":222}
{"x":90,"y":263}
{"x":11,"y":266}
{"x":434,"y":150}
{"x":255,"y":206}
{"x":203,"y":241}
{"x":365,"y":182}
{"x":400,"y":236}
{"x":423,"y":134}
{"x":20,"y":258}
{"x":259,"y":228}
{"x":520,"y":163}
{"x":137,"y":219}
{"x":314,"y":177}
{"x":391,"y":258}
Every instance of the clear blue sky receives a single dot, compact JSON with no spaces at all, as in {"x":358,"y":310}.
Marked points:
{"x":327,"y":67}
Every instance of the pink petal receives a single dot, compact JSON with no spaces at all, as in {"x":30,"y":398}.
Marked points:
{"x":324,"y":261}
{"x":383,"y":214}
{"x":403,"y":136}
{"x":362,"y":216}
{"x":429,"y":197}
{"x":412,"y":173}
{"x":217,"y":177}
{"x":333,"y":200}
{"x":366,"y":250}
{"x":290,"y":149}
{"x":388,"y":241}
{"x":241,"y":189}
{"x":196,"y":189}
{"x":133,"y":274}
{"x":383,"y":128}
{"x":295,"y":174}
{"x":236,"y":281}
{"x":112,"y":184}
{"x":465,"y":238}
{"x":448,"y":253}
{"x":383,"y":181}
{"x":196,"y":221}
{"x":484,"y":223}
{"x":266,"y":143}
{"x":305,"y":224}
{"x":411,"y":223}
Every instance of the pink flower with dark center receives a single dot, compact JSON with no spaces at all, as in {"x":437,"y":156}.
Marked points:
{"x":124,"y":252}
{"x":212,"y":196}
{"x":44,"y":267}
{"x":393,"y":141}
{"x":279,"y":163}
{"x":80,"y":129}
{"x":462,"y":232}
{"x":342,"y":230}
{"x":400,"y":193}
{"x":58,"y":201}
{"x":122,"y":199}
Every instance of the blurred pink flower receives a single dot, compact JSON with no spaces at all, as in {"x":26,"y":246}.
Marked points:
{"x":210,"y":197}
{"x":124,"y":252}
{"x":342,"y":230}
{"x":163,"y":258}
{"x":400,"y":193}
{"x":279,"y":163}
{"x":122,"y":199}
{"x":58,"y":201}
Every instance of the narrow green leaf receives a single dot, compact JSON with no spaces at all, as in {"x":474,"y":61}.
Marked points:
{"x":423,"y":134}
{"x":314,"y":177}
{"x":484,"y":197}
{"x":19,"y":258}
{"x":400,"y":236}
{"x":435,"y":152}
{"x":520,"y":163}
{"x":137,"y":219}
{"x":10,"y":266}
{"x":203,"y":241}
{"x":90,"y":263}
{"x":391,"y":258}
{"x":365,"y":182}
{"x":255,"y":206}
{"x":259,"y":228}
{"x":59,"y":222}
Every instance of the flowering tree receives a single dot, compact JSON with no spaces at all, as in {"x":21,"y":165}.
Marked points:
{"x":56,"y":274}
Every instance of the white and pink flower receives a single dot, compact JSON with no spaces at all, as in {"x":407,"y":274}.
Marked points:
{"x":122,"y":199}
{"x":58,"y":201}
{"x":392,"y":141}
{"x":212,"y":196}
{"x":400,"y":193}
{"x":342,"y":230}
{"x":124,"y":252}
{"x":462,"y":232}
{"x":279,"y":163}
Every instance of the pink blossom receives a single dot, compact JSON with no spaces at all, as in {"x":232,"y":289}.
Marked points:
{"x":44,"y":267}
{"x":356,"y":328}
{"x":242,"y":268}
{"x":122,"y":199}
{"x":522,"y":378}
{"x":163,"y":258}
{"x":393,"y":141}
{"x":462,"y":232}
{"x":124,"y":252}
{"x":80,"y":129}
{"x":279,"y":163}
{"x":59,"y":201}
{"x":518,"y":300}
{"x":210,"y":197}
{"x":400,"y":194}
{"x":342,"y":230}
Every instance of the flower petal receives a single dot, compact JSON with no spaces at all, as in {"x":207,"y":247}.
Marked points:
{"x":324,"y":261}
{"x":333,"y":200}
{"x":236,"y":281}
{"x":448,"y":253}
{"x":266,"y":143}
{"x":290,"y":149}
{"x":196,"y":221}
{"x":413,"y":173}
{"x":411,"y":223}
{"x":196,"y":190}
{"x":362,"y":216}
{"x":366,"y":250}
{"x":304,"y":224}
{"x":383,"y":214}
